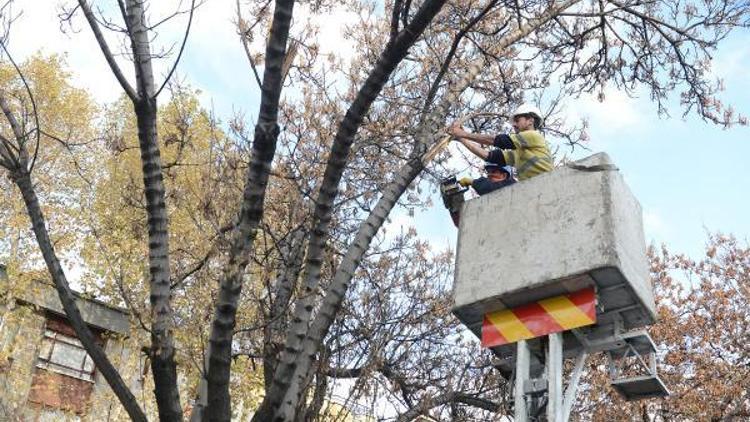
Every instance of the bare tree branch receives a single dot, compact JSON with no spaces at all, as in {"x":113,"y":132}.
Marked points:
{"x":264,"y":148}
{"x":447,"y":398}
{"x":182,"y":49}
{"x":106,"y":51}
{"x":35,"y":112}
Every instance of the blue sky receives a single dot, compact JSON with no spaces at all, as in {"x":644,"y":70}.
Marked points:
{"x":690,"y":176}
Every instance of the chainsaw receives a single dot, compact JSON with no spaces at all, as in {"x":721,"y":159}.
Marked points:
{"x":452,"y":193}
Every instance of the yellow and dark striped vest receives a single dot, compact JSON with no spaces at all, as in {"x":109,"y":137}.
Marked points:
{"x":531,"y":156}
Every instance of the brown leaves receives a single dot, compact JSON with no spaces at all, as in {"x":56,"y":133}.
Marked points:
{"x":702,"y":334}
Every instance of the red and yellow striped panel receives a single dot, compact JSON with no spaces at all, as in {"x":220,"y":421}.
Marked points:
{"x":540,"y":318}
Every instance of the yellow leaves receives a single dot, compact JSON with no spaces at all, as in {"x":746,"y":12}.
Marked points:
{"x":247,"y":387}
{"x":62,"y":161}
{"x":62,"y":108}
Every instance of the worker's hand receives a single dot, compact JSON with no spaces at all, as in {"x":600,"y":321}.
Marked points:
{"x":457,"y":130}
{"x":465,"y":181}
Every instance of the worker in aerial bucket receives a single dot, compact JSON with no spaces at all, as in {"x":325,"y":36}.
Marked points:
{"x":497,"y":177}
{"x":526,"y":149}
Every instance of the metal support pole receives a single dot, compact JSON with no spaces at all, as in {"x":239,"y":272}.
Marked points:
{"x":612,"y":366}
{"x":523,"y":363}
{"x":554,"y":377}
{"x":572,"y":390}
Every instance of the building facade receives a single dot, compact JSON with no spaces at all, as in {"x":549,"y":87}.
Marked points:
{"x":45,"y":374}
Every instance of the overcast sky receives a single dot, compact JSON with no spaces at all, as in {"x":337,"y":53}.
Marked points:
{"x":689,"y":176}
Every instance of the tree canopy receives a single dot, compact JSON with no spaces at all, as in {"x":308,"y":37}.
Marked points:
{"x":253,"y":255}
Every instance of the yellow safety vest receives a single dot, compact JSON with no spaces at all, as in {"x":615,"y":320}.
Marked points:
{"x":531,"y":155}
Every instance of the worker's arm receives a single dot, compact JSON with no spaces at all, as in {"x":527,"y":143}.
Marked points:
{"x":504,"y":141}
{"x":494,"y":156}
{"x":475,"y":149}
{"x":459,"y":132}
{"x":483,"y":185}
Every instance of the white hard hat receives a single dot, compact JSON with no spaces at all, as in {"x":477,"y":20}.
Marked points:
{"x":528,"y":109}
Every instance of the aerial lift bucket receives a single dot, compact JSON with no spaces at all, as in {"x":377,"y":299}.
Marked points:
{"x":565,"y":249}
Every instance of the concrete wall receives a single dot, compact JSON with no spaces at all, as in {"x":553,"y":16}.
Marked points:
{"x":576,"y":226}
{"x":93,"y":312}
{"x":18,"y":356}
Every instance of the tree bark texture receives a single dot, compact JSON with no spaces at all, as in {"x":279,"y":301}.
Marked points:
{"x":264,"y":149}
{"x":281,"y":401}
{"x":23,"y":180}
{"x":284,"y":286}
{"x":162,"y":337}
{"x":163,"y":364}
{"x":291,"y":254}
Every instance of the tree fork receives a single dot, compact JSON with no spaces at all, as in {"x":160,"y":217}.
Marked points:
{"x":286,"y":391}
{"x":406,"y":175}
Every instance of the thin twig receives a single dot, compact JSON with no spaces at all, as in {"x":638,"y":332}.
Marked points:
{"x":33,"y":104}
{"x":182,"y":48}
{"x":246,"y":47}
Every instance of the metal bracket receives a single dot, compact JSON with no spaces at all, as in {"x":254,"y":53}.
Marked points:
{"x":631,"y":365}
{"x":633,"y":368}
{"x":572,"y":389}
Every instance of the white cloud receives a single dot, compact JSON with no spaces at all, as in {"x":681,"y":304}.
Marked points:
{"x":618,"y":111}
{"x":38,"y":30}
{"x":213,"y":60}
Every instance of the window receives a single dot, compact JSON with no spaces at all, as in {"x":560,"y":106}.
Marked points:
{"x":65,"y":355}
{"x":64,"y":378}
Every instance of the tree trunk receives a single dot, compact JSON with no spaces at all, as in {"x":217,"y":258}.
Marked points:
{"x":163,"y":364}
{"x":264,"y":149}
{"x":348,"y":266}
{"x":281,"y":401}
{"x":286,"y":282}
{"x":67,"y":299}
{"x":301,"y":363}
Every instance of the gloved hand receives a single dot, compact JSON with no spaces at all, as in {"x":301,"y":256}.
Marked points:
{"x":465,"y":181}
